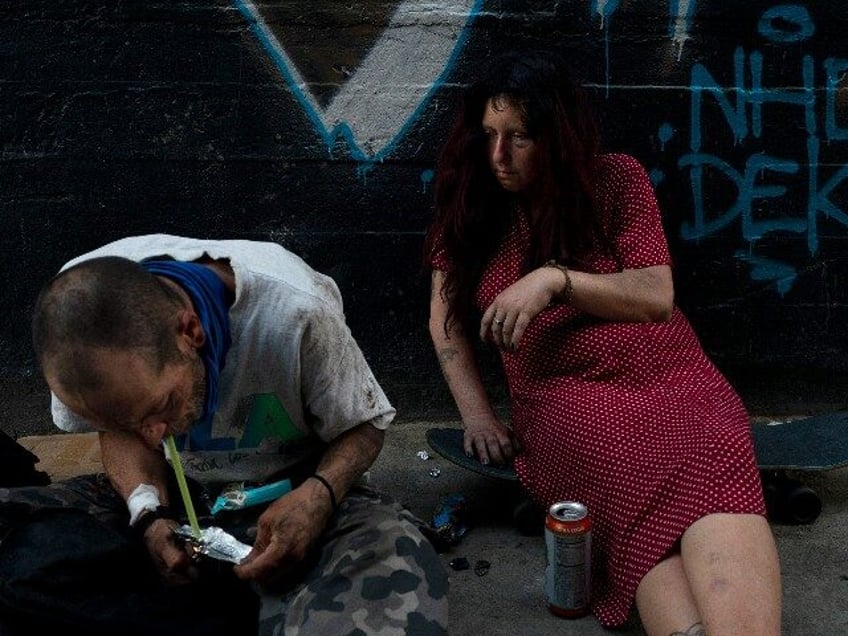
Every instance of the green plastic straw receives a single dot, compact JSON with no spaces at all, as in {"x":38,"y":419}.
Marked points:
{"x":181,"y":480}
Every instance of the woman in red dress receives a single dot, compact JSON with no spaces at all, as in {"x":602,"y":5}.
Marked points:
{"x":560,"y":254}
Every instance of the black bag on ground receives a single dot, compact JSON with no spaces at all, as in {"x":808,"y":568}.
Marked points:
{"x":62,"y":568}
{"x":17,"y":465}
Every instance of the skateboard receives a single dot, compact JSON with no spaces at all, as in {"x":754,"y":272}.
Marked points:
{"x":816,"y":443}
{"x":527,"y":517}
{"x":810,"y":444}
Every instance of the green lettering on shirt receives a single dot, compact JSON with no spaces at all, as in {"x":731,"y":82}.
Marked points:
{"x":268,"y":418}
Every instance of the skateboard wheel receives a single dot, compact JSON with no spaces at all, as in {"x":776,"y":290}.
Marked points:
{"x":528,"y":518}
{"x":802,"y":504}
{"x":790,"y":501}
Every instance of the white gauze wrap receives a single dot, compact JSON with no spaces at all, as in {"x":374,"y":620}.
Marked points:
{"x":144,"y":497}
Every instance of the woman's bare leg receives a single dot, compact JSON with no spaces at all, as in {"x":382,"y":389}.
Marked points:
{"x":733,"y":570}
{"x":665,"y":603}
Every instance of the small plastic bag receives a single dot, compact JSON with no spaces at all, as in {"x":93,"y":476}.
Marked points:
{"x":238,"y":495}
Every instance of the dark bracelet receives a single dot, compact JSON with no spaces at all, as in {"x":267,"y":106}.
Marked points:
{"x":329,"y":488}
{"x":568,"y":291}
{"x":149,"y":516}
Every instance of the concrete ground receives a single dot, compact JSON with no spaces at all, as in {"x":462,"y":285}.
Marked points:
{"x":508,"y":599}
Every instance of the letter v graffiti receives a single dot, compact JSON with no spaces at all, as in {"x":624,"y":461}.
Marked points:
{"x":391,"y":83}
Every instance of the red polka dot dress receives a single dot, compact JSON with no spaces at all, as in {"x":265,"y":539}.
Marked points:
{"x":631,"y":419}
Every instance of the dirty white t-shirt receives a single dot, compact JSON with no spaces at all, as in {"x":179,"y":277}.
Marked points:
{"x":294,"y":377}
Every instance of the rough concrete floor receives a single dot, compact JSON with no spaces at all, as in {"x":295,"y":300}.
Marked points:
{"x":508,"y":599}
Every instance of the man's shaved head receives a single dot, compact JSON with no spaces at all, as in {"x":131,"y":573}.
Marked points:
{"x":102,"y":303}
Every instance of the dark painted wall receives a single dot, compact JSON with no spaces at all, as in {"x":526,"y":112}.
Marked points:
{"x":316,"y":124}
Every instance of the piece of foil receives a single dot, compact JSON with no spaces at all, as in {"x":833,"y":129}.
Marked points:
{"x":215,"y":543}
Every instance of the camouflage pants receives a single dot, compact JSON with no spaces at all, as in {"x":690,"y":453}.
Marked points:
{"x":372,"y":573}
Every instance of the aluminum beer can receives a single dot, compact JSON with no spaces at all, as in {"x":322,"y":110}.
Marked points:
{"x":568,"y":572}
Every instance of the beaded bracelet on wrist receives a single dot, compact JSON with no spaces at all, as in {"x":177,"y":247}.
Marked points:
{"x":567,"y":292}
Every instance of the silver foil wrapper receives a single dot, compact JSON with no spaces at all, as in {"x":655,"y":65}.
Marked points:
{"x":216,"y":543}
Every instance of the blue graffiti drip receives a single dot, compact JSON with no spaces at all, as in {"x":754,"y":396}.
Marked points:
{"x":427,"y":177}
{"x":836,"y":70}
{"x":781,"y":274}
{"x":362,"y":171}
{"x":657,"y":176}
{"x":703,"y":81}
{"x":674,"y":22}
{"x":680,"y":19}
{"x":342,"y":131}
{"x":664,"y":134}
{"x":607,"y":55}
{"x":757,"y":95}
{"x":604,"y":8}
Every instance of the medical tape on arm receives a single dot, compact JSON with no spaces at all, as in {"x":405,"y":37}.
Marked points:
{"x":144,"y":497}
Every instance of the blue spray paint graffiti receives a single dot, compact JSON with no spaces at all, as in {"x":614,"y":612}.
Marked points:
{"x":373,"y":111}
{"x":742,"y":106}
{"x":680,"y":15}
{"x":367,"y":116}
{"x":386,"y":94}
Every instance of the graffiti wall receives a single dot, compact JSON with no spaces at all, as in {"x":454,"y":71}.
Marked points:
{"x":316,"y":124}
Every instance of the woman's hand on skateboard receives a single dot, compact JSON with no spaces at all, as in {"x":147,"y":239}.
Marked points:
{"x":491,"y":442}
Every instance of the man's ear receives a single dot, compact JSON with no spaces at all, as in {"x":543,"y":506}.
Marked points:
{"x":189,"y":329}
{"x":152,"y":434}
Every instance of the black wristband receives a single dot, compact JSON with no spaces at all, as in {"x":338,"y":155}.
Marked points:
{"x":149,"y":516}
{"x":329,"y":488}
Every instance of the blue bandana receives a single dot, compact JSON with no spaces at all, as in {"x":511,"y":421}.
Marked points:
{"x":209,"y":296}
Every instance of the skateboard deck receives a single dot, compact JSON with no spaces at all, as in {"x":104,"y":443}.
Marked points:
{"x":819,"y":442}
{"x":447,"y":442}
{"x":814,"y":443}
{"x":527,"y":517}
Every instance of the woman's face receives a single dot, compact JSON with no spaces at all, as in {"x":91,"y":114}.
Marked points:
{"x":512,"y":154}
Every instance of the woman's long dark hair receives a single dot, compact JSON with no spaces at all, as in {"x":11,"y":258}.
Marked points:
{"x":473,"y":212}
